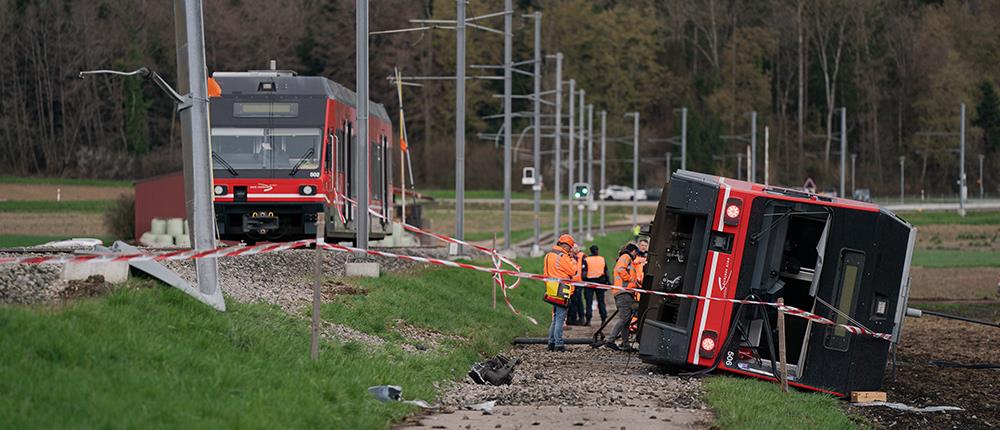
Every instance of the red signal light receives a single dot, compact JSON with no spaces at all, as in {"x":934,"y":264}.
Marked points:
{"x":708,"y":344}
{"x":733,"y":211}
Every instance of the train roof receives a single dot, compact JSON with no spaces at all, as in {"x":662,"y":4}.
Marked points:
{"x":287,"y":82}
{"x":771,"y":191}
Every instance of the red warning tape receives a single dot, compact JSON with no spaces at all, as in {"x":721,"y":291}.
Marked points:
{"x":497,"y":271}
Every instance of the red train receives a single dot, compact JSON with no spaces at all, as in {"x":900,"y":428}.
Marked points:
{"x":283,"y":151}
{"x":841,"y":259}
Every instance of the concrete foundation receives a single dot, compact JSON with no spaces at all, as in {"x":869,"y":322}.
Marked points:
{"x":113,"y":273}
{"x":362,"y":269}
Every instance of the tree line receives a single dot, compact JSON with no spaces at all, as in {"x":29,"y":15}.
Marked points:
{"x":901,"y":69}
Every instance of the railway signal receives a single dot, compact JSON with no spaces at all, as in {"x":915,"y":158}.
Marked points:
{"x":581,"y":190}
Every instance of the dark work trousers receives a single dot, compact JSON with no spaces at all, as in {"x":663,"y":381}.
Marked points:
{"x":623,"y":302}
{"x":590,"y":294}
{"x":576,"y":313}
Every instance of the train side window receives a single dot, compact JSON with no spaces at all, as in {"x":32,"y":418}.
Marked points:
{"x":848,"y":284}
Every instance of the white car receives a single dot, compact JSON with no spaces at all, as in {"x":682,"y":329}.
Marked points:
{"x":621,"y":192}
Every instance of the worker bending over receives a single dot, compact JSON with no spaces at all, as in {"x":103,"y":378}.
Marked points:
{"x":560,"y":262}
{"x":625,"y":278}
{"x":576,"y":314}
{"x":596,"y":270}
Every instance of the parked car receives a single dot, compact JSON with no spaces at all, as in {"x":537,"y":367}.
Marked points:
{"x":863,"y":195}
{"x":621,"y":192}
{"x":653,"y":193}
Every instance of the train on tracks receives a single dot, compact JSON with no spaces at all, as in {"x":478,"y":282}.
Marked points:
{"x":844,"y":260}
{"x":283,"y":151}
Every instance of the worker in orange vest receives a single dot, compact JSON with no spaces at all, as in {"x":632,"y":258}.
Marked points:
{"x":625,"y":277}
{"x":596,"y":271}
{"x":560,"y":262}
{"x":577,"y":314}
{"x":640,"y":263}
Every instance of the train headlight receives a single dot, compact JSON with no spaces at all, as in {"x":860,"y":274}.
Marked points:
{"x":733,"y":210}
{"x":307,"y":190}
{"x":219,"y":190}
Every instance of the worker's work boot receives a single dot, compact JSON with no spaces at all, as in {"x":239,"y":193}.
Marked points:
{"x":560,"y":349}
{"x":552,"y":347}
{"x":612,"y":345}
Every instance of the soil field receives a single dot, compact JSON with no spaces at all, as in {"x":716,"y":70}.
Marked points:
{"x":52,"y":224}
{"x":12,"y":192}
{"x":963,"y":237}
{"x":920,"y":383}
{"x":951,"y":284}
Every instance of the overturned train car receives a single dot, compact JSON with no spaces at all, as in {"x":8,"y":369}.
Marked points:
{"x":841,"y":259}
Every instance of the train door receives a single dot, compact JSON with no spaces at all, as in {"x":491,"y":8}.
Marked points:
{"x":343,"y":169}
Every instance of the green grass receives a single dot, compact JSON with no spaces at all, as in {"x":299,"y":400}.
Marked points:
{"x":17,"y":240}
{"x":751,"y":404}
{"x":476,"y":194}
{"x":64,"y":181}
{"x":937,"y":258}
{"x":985,"y":311}
{"x":971,"y":218}
{"x":42,"y":206}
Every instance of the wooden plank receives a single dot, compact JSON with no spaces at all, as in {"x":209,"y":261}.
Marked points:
{"x":867,"y":396}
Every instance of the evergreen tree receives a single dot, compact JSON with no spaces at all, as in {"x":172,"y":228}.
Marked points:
{"x":988,"y":115}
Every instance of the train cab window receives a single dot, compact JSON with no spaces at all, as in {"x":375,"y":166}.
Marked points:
{"x":848,"y":283}
{"x":288,"y":149}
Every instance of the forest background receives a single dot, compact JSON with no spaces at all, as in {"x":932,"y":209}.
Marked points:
{"x":901,"y":69}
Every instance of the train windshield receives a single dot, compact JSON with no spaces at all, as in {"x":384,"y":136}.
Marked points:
{"x":290,"y":149}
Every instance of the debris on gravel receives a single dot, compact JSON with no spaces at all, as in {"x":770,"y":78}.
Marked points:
{"x":25,"y":284}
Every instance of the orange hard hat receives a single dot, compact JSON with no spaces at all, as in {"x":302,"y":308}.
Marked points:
{"x":567,"y":239}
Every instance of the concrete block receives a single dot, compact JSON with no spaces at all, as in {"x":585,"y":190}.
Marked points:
{"x":114,"y":273}
{"x":362,"y":269}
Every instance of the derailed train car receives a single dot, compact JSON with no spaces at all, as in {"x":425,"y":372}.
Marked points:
{"x":844,"y":260}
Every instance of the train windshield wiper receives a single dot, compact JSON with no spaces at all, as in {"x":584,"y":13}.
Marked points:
{"x":302,"y":160}
{"x":223,"y":162}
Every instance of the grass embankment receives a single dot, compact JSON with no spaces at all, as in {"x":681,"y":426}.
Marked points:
{"x":64,"y":181}
{"x":939,"y":258}
{"x":752,"y":404}
{"x":154,"y":357}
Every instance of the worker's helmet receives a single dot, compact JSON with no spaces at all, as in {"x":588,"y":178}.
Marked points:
{"x":567,"y":239}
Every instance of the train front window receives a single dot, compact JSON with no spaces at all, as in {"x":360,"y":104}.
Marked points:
{"x":289,"y":149}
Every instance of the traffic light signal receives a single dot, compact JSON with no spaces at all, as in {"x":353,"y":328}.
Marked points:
{"x":581,"y":191}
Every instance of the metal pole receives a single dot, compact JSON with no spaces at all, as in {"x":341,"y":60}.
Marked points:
{"x":361,"y":149}
{"x":557,"y":227}
{"x":684,"y":138}
{"x":572,"y":148}
{"x":767,"y":156}
{"x":902,"y":178}
{"x":604,"y":137}
{"x":962,"y":190}
{"x":507,"y":40}
{"x":752,"y":158}
{"x":193,"y":80}
{"x":854,"y":159}
{"x":739,"y":166}
{"x":668,"y":157}
{"x":982,"y":194}
{"x":590,"y":170}
{"x":843,"y":152}
{"x":580,"y":146}
{"x":459,"y":122}
{"x":537,"y":159}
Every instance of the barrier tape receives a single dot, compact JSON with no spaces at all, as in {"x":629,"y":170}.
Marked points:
{"x":498,"y":273}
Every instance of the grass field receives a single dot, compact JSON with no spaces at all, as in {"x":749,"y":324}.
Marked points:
{"x":64,"y":181}
{"x":942,"y":217}
{"x":45,"y":206}
{"x":751,"y":404}
{"x":478,"y":194}
{"x":936,"y":258}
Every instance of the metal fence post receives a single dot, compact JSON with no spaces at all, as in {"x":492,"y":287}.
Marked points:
{"x":318,"y":285}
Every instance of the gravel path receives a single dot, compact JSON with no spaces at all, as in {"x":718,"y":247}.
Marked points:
{"x":583,"y":387}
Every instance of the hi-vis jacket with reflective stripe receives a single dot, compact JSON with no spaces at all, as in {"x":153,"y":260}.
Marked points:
{"x":624,"y":273}
{"x":559,"y":264}
{"x":597,"y":268}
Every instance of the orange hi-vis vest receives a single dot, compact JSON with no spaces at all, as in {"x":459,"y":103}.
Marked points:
{"x":595,"y":266}
{"x":640,"y":268}
{"x":558,"y":264}
{"x":624,"y":273}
